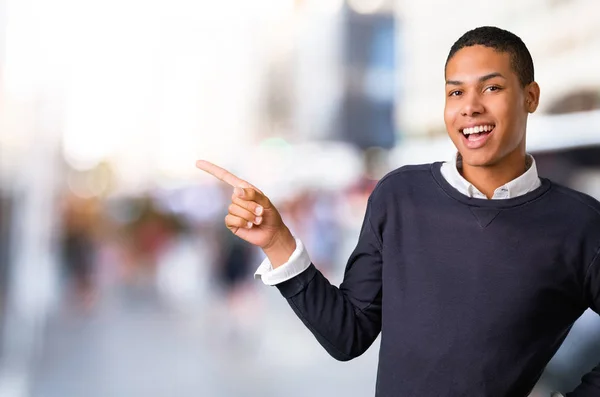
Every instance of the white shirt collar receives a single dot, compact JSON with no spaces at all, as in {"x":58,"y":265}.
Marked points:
{"x":525,"y":183}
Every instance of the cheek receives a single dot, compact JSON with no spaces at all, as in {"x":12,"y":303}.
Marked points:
{"x":504,"y":111}
{"x":449,"y":116}
{"x":506,"y":108}
{"x":510,"y":117}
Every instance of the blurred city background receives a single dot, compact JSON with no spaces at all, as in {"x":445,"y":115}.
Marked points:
{"x":117,"y":274}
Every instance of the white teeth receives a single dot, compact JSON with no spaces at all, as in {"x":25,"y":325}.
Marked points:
{"x":477,"y":129}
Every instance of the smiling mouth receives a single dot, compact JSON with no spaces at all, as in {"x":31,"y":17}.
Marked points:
{"x":477,"y":132}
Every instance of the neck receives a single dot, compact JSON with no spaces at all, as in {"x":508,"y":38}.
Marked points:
{"x":490,"y":177}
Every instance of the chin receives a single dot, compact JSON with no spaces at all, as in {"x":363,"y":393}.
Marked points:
{"x":478,"y":158}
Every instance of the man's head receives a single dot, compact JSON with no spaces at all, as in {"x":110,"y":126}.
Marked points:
{"x":490,"y":90}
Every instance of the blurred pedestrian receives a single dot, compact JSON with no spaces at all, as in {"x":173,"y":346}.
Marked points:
{"x":78,"y":250}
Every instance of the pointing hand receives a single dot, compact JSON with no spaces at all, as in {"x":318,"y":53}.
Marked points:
{"x":252,"y":216}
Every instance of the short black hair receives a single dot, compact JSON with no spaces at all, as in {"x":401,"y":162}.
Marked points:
{"x":502,"y":41}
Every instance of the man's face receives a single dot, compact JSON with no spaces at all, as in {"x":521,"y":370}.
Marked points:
{"x":486,"y":106}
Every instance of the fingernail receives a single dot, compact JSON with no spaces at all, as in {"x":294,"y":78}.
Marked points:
{"x":249,"y":225}
{"x":258,"y":210}
{"x":238,"y":192}
{"x":258,"y":220}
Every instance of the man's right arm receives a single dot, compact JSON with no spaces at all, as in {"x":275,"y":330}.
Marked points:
{"x":345,"y":320}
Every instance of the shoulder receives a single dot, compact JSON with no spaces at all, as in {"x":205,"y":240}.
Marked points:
{"x":405,"y":174}
{"x":408,"y":178}
{"x":578,"y":211}
{"x":576,"y":200}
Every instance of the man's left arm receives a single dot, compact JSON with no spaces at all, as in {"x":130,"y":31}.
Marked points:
{"x":590,"y":383}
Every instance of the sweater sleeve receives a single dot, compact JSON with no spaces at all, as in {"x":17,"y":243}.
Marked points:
{"x":345,"y":320}
{"x":590,"y":383}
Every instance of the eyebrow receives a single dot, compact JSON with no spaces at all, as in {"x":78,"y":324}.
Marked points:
{"x":481,"y":79}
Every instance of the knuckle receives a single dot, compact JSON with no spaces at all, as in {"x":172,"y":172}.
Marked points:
{"x":232,"y":221}
{"x":238,"y":202}
{"x":247,"y":205}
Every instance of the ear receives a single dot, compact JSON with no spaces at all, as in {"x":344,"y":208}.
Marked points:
{"x":532,"y":97}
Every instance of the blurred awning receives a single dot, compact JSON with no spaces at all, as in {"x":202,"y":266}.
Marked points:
{"x":544,"y":133}
{"x":564,"y":131}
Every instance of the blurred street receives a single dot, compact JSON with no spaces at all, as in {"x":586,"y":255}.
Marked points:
{"x":132,"y":345}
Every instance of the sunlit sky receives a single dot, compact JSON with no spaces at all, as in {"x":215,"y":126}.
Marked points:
{"x":162,"y":81}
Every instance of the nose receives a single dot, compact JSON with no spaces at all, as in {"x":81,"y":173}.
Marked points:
{"x":472,"y":106}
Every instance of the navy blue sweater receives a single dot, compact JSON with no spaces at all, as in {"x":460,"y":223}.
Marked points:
{"x":472,"y":297}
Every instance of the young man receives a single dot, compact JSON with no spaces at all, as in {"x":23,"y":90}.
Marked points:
{"x":473,"y":270}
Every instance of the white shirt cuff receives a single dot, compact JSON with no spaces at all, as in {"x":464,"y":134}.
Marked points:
{"x":298,"y":262}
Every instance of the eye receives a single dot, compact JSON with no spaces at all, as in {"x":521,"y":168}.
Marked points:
{"x":493,"y":88}
{"x":455,"y":93}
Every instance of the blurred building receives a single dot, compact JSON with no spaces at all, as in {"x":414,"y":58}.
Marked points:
{"x":336,"y":80}
{"x":366,"y":116}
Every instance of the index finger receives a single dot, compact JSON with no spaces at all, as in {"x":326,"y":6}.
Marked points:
{"x":222,"y":174}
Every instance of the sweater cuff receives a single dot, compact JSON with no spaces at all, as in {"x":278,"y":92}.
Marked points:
{"x":297,"y":284}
